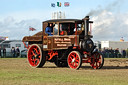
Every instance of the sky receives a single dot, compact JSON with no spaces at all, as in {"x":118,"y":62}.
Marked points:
{"x":110,"y":16}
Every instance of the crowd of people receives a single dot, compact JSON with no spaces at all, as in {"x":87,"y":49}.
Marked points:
{"x":114,"y":53}
{"x":14,"y":52}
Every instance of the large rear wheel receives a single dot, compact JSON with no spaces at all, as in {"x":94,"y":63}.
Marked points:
{"x":97,"y":60}
{"x":74,"y":60}
{"x":35,"y":56}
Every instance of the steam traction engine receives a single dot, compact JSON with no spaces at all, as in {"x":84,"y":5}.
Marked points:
{"x":70,"y":45}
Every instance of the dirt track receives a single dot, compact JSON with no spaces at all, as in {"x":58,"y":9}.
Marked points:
{"x":115,"y":63}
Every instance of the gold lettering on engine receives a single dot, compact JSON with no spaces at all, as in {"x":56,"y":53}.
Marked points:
{"x":62,"y":41}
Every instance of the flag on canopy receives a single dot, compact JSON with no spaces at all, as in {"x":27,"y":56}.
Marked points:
{"x":52,"y":4}
{"x":66,"y":4}
{"x":31,"y":29}
{"x":59,"y":4}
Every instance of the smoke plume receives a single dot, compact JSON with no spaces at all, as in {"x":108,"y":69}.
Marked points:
{"x":109,"y":22}
{"x":110,"y":7}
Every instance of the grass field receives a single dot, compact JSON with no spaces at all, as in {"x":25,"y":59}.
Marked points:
{"x":16,"y":71}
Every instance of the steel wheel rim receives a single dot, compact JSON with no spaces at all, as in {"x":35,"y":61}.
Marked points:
{"x":96,"y":60}
{"x":34,"y":55}
{"x":73,"y":60}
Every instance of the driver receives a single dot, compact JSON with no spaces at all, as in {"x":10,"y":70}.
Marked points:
{"x":49,"y":29}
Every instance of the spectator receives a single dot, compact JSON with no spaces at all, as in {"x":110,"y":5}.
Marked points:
{"x":112,"y":53}
{"x":117,"y":53}
{"x":104,"y":52}
{"x":13,"y":51}
{"x":123,"y":53}
{"x":17,"y":52}
{"x":4,"y":52}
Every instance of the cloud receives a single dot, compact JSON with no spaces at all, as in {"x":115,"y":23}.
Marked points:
{"x":16,"y":25}
{"x":14,"y":29}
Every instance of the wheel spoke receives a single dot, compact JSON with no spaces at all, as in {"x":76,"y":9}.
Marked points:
{"x":73,"y":64}
{"x":33,"y":53}
{"x":70,"y":58}
{"x":99,"y":63}
{"x":76,"y":57}
{"x":36,"y":49}
{"x":36,"y":61}
{"x":39,"y":56}
{"x":73,"y":56}
{"x":77,"y":60}
{"x":76,"y":64}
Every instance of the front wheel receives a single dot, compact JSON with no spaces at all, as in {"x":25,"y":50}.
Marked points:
{"x":74,"y":60}
{"x":35,"y":56}
{"x":97,"y":60}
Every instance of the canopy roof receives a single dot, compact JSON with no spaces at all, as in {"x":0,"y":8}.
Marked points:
{"x":64,"y":20}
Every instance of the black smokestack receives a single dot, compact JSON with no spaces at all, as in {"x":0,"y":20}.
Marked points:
{"x":86,"y":21}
